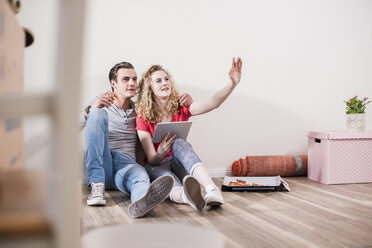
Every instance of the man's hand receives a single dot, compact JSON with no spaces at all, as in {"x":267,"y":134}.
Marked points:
{"x":166,"y":145}
{"x":104,"y":100}
{"x":185,"y":100}
{"x":236,"y":71}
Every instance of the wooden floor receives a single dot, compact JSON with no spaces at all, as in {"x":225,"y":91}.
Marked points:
{"x":311,"y":215}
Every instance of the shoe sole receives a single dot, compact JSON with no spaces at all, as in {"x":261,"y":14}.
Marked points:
{"x":193,"y":192}
{"x":156,"y":194}
{"x":95,"y":202}
{"x":214,"y":203}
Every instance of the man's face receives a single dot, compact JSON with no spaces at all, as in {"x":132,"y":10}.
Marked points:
{"x":126,"y":83}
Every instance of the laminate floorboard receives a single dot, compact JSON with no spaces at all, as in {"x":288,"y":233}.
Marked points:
{"x":310,"y":215}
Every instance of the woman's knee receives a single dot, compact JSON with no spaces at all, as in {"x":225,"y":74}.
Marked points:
{"x":179,"y":143}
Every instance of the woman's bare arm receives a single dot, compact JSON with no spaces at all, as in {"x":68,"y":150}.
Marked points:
{"x":155,"y":157}
{"x":219,"y":97}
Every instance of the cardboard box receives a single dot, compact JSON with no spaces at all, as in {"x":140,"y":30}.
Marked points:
{"x":340,"y":157}
{"x":23,"y":209}
{"x":12,"y":42}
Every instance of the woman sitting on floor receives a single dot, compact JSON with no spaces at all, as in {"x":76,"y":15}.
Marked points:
{"x":157,"y":102}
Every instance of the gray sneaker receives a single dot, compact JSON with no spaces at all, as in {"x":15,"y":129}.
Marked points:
{"x":96,"y":196}
{"x":156,"y":194}
{"x":193,"y":192}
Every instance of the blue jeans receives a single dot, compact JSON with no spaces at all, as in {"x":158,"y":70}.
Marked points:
{"x":180,"y":164}
{"x":114,"y":169}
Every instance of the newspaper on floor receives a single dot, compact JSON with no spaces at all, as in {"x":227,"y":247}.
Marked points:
{"x":254,"y":184}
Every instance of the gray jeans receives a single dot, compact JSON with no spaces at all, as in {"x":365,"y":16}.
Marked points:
{"x":180,"y":164}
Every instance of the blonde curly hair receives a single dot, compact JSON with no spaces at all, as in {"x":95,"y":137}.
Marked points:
{"x":146,"y":105}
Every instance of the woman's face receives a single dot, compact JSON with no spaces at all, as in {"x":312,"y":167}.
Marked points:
{"x":161,"y":84}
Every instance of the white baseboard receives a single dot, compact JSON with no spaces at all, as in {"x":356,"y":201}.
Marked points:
{"x":212,"y":172}
{"x":220,"y":173}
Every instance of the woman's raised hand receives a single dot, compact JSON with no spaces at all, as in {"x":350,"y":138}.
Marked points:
{"x":235,"y":72}
{"x":166,"y":144}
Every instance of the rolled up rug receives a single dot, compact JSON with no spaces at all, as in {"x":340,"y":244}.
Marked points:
{"x":270,"y":166}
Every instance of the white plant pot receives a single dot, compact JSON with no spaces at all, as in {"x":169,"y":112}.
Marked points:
{"x":356,"y":122}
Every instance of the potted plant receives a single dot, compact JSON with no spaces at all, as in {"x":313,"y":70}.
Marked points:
{"x":356,"y":117}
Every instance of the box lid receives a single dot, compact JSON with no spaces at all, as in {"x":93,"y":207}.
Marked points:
{"x":339,"y":135}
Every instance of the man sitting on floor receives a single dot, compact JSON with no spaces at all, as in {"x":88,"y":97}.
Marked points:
{"x":111,"y":142}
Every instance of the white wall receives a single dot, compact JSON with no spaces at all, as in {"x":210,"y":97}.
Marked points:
{"x":302,"y":58}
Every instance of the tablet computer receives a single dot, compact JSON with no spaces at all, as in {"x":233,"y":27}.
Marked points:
{"x":181,"y":129}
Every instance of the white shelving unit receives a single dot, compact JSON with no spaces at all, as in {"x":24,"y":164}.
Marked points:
{"x":63,"y":107}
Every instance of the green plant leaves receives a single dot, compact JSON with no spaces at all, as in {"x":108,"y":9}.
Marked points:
{"x":356,"y":106}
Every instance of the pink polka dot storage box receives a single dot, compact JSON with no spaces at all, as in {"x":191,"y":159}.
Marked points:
{"x":338,"y":157}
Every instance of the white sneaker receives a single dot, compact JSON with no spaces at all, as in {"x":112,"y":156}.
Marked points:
{"x":96,"y":196}
{"x":214,"y":197}
{"x":156,"y":194}
{"x":192,"y":191}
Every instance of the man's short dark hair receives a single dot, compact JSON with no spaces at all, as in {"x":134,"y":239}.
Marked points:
{"x":114,"y":70}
